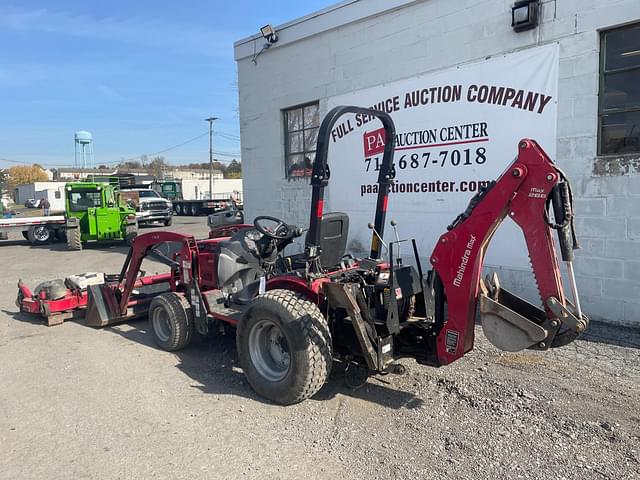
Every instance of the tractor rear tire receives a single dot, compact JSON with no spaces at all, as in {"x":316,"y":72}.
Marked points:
{"x":195,"y":211}
{"x":284,"y":347}
{"x":170,"y":321}
{"x":178,"y":210}
{"x":39,"y":235}
{"x":74,"y":240}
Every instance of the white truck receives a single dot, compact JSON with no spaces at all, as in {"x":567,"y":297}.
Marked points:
{"x":38,"y":230}
{"x":149,"y":205}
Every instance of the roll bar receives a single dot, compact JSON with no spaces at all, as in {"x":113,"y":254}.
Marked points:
{"x":320,"y":177}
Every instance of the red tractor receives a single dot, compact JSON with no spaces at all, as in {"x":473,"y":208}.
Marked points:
{"x":296,"y":314}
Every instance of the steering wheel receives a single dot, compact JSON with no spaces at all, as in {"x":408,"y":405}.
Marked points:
{"x":279,"y":231}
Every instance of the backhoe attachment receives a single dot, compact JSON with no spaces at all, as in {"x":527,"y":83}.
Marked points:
{"x":526,"y":192}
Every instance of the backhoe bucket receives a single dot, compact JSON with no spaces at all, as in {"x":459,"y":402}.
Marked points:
{"x":102,"y":306}
{"x":509,"y":322}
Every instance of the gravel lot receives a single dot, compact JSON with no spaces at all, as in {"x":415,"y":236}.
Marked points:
{"x":77,"y":402}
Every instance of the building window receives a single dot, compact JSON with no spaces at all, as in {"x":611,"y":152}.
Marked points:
{"x":619,"y":99}
{"x":301,"y":125}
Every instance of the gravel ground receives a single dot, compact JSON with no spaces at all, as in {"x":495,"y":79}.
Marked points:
{"x":77,"y":402}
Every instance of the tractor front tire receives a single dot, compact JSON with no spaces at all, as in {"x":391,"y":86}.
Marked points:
{"x":284,"y":347}
{"x":74,"y":240}
{"x":167,"y":222}
{"x":170,"y":321}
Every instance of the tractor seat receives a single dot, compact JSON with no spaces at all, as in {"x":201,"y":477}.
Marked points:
{"x":334,"y":231}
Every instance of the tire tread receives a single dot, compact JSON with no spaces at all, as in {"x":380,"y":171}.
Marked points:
{"x":179,"y":311}
{"x":314,"y":326}
{"x":74,"y":241}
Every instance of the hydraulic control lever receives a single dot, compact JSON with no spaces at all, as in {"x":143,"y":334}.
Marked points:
{"x":375,"y":232}
{"x":394,"y":224}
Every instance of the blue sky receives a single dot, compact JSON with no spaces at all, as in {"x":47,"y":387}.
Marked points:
{"x":140,"y":75}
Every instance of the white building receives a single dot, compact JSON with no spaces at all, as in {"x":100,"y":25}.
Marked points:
{"x":53,"y":191}
{"x":72,"y":174}
{"x":193,"y":174}
{"x":581,"y":63}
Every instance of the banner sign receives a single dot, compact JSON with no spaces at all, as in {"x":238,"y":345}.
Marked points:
{"x":456,"y":130}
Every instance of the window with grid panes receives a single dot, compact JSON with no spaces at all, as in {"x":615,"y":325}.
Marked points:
{"x":619,"y":99}
{"x":301,"y":125}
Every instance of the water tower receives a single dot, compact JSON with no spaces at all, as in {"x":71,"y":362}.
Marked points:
{"x":84,"y":149}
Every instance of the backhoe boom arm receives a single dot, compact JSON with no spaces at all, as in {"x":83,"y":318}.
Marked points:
{"x":521,"y":193}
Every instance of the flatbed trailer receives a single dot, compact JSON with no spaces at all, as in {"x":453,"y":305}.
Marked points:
{"x":195,"y":208}
{"x":37,"y":230}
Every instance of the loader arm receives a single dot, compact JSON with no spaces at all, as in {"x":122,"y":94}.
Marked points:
{"x":140,"y":249}
{"x":522,"y":193}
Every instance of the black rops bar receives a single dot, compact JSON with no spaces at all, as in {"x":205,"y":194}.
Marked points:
{"x":320,"y":177}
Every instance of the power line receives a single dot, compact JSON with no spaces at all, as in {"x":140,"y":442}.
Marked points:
{"x":227,"y":136}
{"x":173,"y":147}
{"x":19,"y":162}
{"x":164,"y":150}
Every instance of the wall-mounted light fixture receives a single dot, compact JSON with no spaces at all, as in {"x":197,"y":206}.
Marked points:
{"x":524,"y":15}
{"x":269,"y":34}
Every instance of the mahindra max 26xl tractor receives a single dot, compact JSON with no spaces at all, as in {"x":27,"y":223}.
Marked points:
{"x":297,"y":314}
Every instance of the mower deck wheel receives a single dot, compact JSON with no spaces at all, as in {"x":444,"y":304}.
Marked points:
{"x":170,"y":321}
{"x":284,"y":347}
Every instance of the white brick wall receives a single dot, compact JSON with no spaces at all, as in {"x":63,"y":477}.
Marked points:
{"x":428,"y":35}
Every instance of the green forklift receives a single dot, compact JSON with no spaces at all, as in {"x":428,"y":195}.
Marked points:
{"x":95,"y":211}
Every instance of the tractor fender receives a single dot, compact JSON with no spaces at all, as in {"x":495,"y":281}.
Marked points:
{"x":310,"y":290}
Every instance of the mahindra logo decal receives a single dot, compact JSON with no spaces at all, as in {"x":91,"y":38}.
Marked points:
{"x":464,"y":261}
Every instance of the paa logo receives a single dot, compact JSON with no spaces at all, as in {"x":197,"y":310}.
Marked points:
{"x":374,"y":142}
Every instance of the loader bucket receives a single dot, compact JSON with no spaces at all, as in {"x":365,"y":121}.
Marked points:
{"x":509,"y":322}
{"x":102,"y":306}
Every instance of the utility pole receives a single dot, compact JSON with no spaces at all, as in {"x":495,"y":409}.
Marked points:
{"x":210,"y":120}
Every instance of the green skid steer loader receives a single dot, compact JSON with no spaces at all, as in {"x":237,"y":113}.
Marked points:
{"x":95,"y":211}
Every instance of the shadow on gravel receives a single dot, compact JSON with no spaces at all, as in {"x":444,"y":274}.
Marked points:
{"x":211,"y":362}
{"x":599,"y":332}
{"x":24,"y":317}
